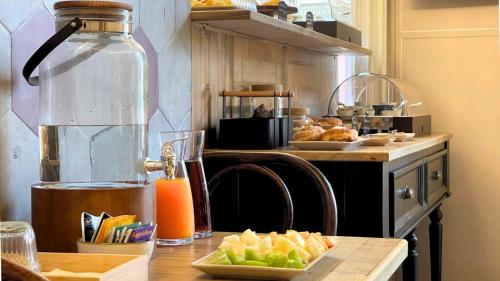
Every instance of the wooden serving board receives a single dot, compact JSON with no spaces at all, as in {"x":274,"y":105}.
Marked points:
{"x":93,"y":267}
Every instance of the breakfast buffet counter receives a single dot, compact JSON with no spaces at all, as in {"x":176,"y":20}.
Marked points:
{"x":364,"y":153}
{"x":408,"y":182}
{"x":353,"y":258}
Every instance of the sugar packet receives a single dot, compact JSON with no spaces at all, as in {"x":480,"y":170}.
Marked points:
{"x":141,"y":234}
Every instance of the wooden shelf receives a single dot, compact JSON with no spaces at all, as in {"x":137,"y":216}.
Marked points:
{"x":261,"y":26}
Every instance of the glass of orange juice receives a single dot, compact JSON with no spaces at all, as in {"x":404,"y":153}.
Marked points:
{"x":174,"y":202}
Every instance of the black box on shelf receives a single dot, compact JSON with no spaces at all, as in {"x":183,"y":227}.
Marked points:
{"x":336,"y":29}
{"x":420,"y":124}
{"x":253,"y":133}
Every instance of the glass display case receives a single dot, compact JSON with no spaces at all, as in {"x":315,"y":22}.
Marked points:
{"x":324,"y":10}
{"x":367,"y":94}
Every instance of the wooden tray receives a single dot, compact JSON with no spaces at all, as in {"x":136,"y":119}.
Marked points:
{"x":93,"y":267}
{"x":326,"y":145}
{"x":252,"y":272}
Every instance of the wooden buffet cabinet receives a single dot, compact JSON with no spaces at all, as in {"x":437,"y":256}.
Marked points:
{"x":388,"y":191}
{"x":380,"y":191}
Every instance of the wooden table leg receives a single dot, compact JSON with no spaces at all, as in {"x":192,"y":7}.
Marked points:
{"x":436,"y":243}
{"x":410,"y":265}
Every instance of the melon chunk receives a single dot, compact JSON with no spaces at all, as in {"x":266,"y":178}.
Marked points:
{"x":249,"y":237}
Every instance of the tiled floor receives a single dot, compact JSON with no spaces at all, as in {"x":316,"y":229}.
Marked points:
{"x":162,"y":27}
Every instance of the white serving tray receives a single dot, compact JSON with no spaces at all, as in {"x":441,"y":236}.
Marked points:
{"x":402,"y":137}
{"x":326,"y":145}
{"x":378,"y":141}
{"x":252,"y":272}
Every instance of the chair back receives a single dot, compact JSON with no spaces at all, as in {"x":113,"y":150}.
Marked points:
{"x":314,"y":207}
{"x":249,"y":196}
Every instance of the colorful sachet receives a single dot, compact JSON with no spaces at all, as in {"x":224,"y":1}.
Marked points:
{"x":120,"y":229}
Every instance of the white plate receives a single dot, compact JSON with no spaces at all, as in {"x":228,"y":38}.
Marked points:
{"x":252,"y":272}
{"x":326,"y":145}
{"x":378,"y":141}
{"x":400,"y":137}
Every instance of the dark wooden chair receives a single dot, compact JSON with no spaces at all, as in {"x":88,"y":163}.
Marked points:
{"x":249,"y":196}
{"x":313,"y":201}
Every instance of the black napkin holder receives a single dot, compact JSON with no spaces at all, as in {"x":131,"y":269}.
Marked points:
{"x":335,"y":29}
{"x":253,"y":133}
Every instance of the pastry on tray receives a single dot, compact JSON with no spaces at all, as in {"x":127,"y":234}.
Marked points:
{"x":310,"y":134}
{"x":328,"y":122}
{"x":316,"y":133}
{"x":339,"y":134}
{"x":208,"y":3}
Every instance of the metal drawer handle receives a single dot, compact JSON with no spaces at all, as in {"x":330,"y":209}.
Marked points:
{"x":407,"y":193}
{"x":436,"y":175}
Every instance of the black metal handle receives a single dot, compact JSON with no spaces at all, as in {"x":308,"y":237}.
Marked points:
{"x":436,"y":175}
{"x":48,"y":47}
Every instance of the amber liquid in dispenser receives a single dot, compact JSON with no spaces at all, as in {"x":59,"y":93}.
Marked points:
{"x":199,"y":191}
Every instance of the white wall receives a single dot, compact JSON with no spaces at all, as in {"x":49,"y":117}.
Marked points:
{"x":449,"y":50}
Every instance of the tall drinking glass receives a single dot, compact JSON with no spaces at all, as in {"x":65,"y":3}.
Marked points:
{"x":194,"y":165}
{"x":174,"y":202}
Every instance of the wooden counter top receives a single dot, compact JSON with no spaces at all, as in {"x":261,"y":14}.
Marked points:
{"x":355,"y":258}
{"x":363,"y":153}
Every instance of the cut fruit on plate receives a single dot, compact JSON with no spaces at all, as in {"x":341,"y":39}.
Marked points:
{"x":267,"y":257}
{"x":255,"y":270}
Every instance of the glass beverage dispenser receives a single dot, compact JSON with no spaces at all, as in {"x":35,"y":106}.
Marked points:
{"x":93,"y":122}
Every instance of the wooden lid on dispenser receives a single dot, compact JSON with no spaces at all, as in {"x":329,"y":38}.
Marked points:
{"x":92,"y":4}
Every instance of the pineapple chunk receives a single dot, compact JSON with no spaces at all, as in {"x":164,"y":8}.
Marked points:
{"x":232,"y":238}
{"x":294,"y":236}
{"x":314,"y":247}
{"x":305,"y":234}
{"x":249,"y":237}
{"x":284,"y":245}
{"x":225,"y":245}
{"x":273,"y":236}
{"x":265,"y":245}
{"x":319,"y":238}
{"x":238,"y":248}
{"x":306,"y":257}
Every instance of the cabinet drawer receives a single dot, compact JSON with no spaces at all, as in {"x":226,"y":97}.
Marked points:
{"x":408,"y":196}
{"x":436,"y":171}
